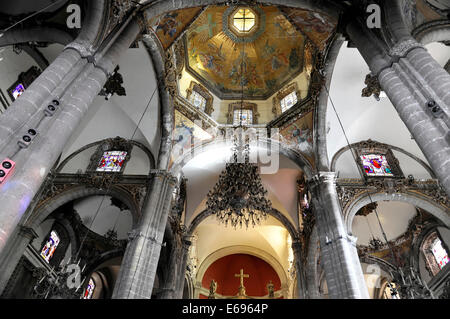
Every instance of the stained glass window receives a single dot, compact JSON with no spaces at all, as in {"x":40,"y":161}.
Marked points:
{"x":288,"y":101}
{"x":112,"y":161}
{"x":376,"y":165}
{"x":89,"y":289}
{"x":439,"y":253}
{"x":246,"y":116}
{"x":197,"y":100}
{"x":50,"y":246}
{"x":18,"y":91}
{"x":244,"y":20}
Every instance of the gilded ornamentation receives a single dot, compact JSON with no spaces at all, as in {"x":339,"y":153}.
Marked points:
{"x":170,"y":74}
{"x":350,"y":189}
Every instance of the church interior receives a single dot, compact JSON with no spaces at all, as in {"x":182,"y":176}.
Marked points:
{"x":225,"y":149}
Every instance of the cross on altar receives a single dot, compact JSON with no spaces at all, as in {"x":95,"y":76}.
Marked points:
{"x":242,"y":276}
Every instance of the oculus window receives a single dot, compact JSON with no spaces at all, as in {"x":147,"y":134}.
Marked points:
{"x":244,"y":20}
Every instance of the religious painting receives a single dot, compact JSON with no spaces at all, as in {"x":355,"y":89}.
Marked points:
{"x":50,"y":246}
{"x":186,"y":134}
{"x":317,"y":26}
{"x":376,"y":165}
{"x":111,"y":161}
{"x":299,"y":135}
{"x":89,"y":289}
{"x":170,"y":25}
{"x":256,"y":63}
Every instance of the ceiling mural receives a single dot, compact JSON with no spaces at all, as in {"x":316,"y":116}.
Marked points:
{"x":185,"y":135}
{"x":168,"y":26}
{"x":318,"y":27}
{"x":298,"y":135}
{"x":258,"y":61}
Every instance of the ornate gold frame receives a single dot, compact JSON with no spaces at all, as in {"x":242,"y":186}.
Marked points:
{"x":246,"y":106}
{"x":200,"y":89}
{"x":276,"y":101}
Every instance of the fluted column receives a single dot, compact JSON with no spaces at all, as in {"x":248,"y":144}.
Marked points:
{"x":179,"y":284}
{"x":417,"y":86}
{"x":33,"y":163}
{"x":301,"y":279}
{"x":339,"y":256}
{"x":168,"y":286}
{"x":23,"y":237}
{"x":138,"y":270}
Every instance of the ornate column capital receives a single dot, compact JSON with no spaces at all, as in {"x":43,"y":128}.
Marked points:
{"x":27,"y":232}
{"x":322,"y":177}
{"x":401,"y":49}
{"x":164,"y":174}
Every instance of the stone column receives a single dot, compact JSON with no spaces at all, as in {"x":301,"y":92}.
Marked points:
{"x":338,"y":250}
{"x":34,"y":162}
{"x":419,"y":89}
{"x":23,"y":237}
{"x":179,"y":284}
{"x":138,"y":270}
{"x":301,"y":279}
{"x":168,"y":286}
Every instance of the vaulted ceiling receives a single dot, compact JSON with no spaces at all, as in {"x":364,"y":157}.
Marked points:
{"x":279,"y":45}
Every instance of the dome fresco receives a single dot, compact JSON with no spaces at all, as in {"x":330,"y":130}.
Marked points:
{"x":259,"y":62}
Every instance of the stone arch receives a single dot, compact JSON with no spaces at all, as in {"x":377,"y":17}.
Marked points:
{"x":241,"y":249}
{"x":147,"y":151}
{"x":438,"y":211}
{"x":433,"y":31}
{"x":344,"y":149}
{"x":320,"y":116}
{"x":265,"y":144}
{"x":42,"y":212}
{"x":274,"y":213}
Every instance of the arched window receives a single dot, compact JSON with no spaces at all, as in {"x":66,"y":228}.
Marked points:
{"x":245,"y":111}
{"x":89,"y":289}
{"x":286,"y":98}
{"x":288,"y":101}
{"x":435,"y":252}
{"x":199,"y":97}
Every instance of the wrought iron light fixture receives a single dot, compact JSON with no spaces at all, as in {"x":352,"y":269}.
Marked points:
{"x":239,"y":198}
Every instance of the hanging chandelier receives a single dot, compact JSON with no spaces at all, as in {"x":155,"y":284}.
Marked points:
{"x":239,"y":198}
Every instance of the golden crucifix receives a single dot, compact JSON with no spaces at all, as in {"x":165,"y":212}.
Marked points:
{"x":241,"y":293}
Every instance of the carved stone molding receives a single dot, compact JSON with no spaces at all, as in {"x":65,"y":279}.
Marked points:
{"x":117,"y":11}
{"x":170,"y":73}
{"x":402,"y":48}
{"x":180,"y":51}
{"x":111,"y":144}
{"x":351,"y":189}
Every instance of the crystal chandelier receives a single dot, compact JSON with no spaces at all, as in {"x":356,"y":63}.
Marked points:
{"x":239,"y":198}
